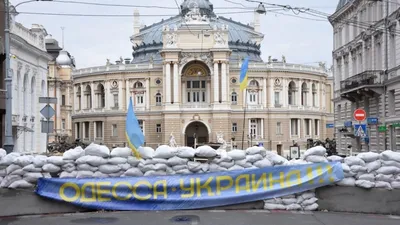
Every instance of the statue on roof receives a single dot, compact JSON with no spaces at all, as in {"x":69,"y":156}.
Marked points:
{"x":283,"y":59}
{"x":171,"y":40}
{"x":219,"y":40}
{"x":108,"y":62}
{"x":322,"y":65}
{"x":194,"y":16}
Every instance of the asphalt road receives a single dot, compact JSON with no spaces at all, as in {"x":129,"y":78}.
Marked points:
{"x":216,"y":217}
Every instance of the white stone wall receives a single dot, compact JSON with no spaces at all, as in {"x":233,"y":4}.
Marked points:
{"x":29,"y":65}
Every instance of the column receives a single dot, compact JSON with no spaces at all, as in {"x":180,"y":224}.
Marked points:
{"x":93,"y":98}
{"x":183,"y":94}
{"x":176,"y":84}
{"x":264,"y":93}
{"x":309,"y":94}
{"x":127,"y":94}
{"x":216,"y":83}
{"x":94,"y":131}
{"x":75,"y":96}
{"x":262,"y":128}
{"x":208,"y":93}
{"x":299,"y":127}
{"x":168,"y":83}
{"x":107,"y":95}
{"x":224,"y":83}
{"x":83,"y":99}
{"x":120,"y":95}
{"x":299,"y":90}
{"x":147,"y":94}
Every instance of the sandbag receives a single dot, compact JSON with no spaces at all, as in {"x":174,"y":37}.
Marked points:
{"x":315,"y":158}
{"x":56,"y":160}
{"x":335,"y":158}
{"x":117,"y":174}
{"x":390,"y":163}
{"x":18,"y":172}
{"x":347,"y":182}
{"x":194,"y":166}
{"x":3,"y":172}
{"x":97,"y":150}
{"x":155,"y":173}
{"x":365,"y":184}
{"x":353,"y":160}
{"x":308,"y":195}
{"x":121,"y":152}
{"x":205,"y":151}
{"x":293,"y":207}
{"x":84,"y":174}
{"x":165,"y":152}
{"x":176,"y":161}
{"x":155,"y":161}
{"x":69,"y":167}
{"x":242,"y":163}
{"x":388,"y":170}
{"x":23,"y":160}
{"x":312,"y":207}
{"x":185,"y":152}
{"x":86,"y":167}
{"x":31,"y":168}
{"x":40,"y":160}
{"x":275,"y":159}
{"x":11,"y":168}
{"x":224,"y":158}
{"x":117,"y":160}
{"x":289,"y":201}
{"x":263,"y":163}
{"x":236,"y":167}
{"x":51,"y":168}
{"x":368,"y":156}
{"x":133,"y":172}
{"x":395,"y":184}
{"x":358,"y":168}
{"x":133,"y":161}
{"x":237,"y":154}
{"x":99,"y":174}
{"x":390,"y":156}
{"x":20,"y":184}
{"x":368,"y":177}
{"x":146,"y":152}
{"x":253,"y":158}
{"x":74,"y":154}
{"x":269,"y":206}
{"x":345,"y":168}
{"x":383,"y":177}
{"x":66,"y":174}
{"x":8,"y":159}
{"x":2,"y":153}
{"x":372,"y":166}
{"x":309,"y":201}
{"x":383,"y":184}
{"x":9,"y":180}
{"x":180,"y":167}
{"x":274,"y":201}
{"x":108,"y":169}
{"x":226,"y":164}
{"x":254,"y":150}
{"x":160,"y":166}
{"x":32,"y":177}
{"x":216,"y":168}
{"x":96,"y":161}
{"x":317,"y":150}
{"x":125,"y":166}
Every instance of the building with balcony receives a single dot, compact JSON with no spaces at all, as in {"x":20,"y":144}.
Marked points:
{"x":184,"y":81}
{"x":366,"y":59}
{"x":29,"y":71}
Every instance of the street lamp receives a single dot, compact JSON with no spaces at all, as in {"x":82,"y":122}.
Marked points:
{"x":9,"y":142}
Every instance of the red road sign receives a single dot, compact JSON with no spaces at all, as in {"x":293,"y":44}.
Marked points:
{"x":360,"y":115}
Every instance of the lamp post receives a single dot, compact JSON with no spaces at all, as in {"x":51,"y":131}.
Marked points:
{"x":9,"y":142}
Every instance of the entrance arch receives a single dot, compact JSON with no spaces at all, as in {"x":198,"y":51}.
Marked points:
{"x":196,"y":129}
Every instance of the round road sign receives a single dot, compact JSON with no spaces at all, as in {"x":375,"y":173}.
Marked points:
{"x":360,"y":115}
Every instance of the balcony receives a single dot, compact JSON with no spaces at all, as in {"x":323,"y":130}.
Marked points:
{"x":196,"y":105}
{"x":367,"y":83}
{"x":254,"y":107}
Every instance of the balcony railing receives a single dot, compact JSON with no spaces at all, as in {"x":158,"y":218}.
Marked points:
{"x":196,"y":106}
{"x":369,"y":77}
{"x":253,"y":107}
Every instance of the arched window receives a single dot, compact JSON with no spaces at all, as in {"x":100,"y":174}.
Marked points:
{"x":100,"y":96}
{"x":33,"y":97}
{"x":234,"y":98}
{"x":138,"y":85}
{"x":26,"y":95}
{"x":304,"y":92}
{"x":314,"y":95}
{"x":88,"y":96}
{"x":79,"y":98}
{"x":291,"y":93}
{"x":158,"y":99}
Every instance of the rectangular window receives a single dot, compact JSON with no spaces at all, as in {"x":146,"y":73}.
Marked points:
{"x":79,"y":103}
{"x":316,"y":127}
{"x":139,"y":99}
{"x":253,"y":127}
{"x":294,"y":127}
{"x":158,"y":128}
{"x":63,"y":100}
{"x":234,"y":127}
{"x":116,"y":105}
{"x":63,"y":124}
{"x":392,"y":107}
{"x":99,"y":129}
{"x":307,"y":126}
{"x":141,"y":125}
{"x":278,"y":128}
{"x":87,"y":130}
{"x":114,"y":130}
{"x":277,"y":98}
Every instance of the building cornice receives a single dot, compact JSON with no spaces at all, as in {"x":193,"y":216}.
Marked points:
{"x":17,"y":40}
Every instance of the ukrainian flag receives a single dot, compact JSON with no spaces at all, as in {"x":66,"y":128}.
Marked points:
{"x":243,"y":74}
{"x":134,"y":134}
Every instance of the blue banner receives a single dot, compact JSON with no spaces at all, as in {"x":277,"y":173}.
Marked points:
{"x":193,"y":191}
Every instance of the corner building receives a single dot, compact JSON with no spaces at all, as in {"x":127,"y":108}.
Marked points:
{"x":184,"y":81}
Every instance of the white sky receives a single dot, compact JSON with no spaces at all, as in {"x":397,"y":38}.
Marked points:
{"x":91,"y":40}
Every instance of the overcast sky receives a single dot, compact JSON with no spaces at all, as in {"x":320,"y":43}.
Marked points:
{"x":91,"y":40}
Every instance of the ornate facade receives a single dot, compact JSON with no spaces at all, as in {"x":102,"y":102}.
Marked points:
{"x":184,"y":82}
{"x":366,"y":61}
{"x":29,"y":70}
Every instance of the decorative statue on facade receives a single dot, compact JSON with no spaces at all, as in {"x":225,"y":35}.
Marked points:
{"x":172,"y":142}
{"x":269,"y":59}
{"x":322,"y":65}
{"x":218,"y":39}
{"x":171,"y":40}
{"x":283,"y":59}
{"x":194,"y":16}
{"x":220,"y":139}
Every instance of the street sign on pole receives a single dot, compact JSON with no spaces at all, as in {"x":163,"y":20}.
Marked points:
{"x":47,"y":100}
{"x":360,"y":115}
{"x":47,"y":126}
{"x":48,"y":112}
{"x":360,"y":130}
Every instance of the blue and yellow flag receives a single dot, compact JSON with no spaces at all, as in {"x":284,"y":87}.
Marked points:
{"x":243,"y":74}
{"x":134,"y":134}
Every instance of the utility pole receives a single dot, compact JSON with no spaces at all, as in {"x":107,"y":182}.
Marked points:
{"x":386,"y":72}
{"x":8,"y":142}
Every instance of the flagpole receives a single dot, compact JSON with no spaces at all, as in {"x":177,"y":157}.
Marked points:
{"x":244,"y":117}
